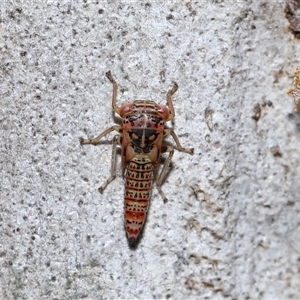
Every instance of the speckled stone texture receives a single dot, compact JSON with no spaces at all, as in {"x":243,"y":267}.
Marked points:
{"x":230,"y":229}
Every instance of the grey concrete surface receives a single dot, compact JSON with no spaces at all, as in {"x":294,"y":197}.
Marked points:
{"x":230,"y":229}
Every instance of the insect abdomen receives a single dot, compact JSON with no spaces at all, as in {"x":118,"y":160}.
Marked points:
{"x":139,"y":178}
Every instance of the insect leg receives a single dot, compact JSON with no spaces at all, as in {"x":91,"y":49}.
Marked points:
{"x":116,"y":141}
{"x":170,"y":103}
{"x":163,"y":172}
{"x":179,"y":147}
{"x":116,"y":108}
{"x":95,"y":141}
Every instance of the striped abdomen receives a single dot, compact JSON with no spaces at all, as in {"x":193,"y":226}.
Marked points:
{"x":139,"y":178}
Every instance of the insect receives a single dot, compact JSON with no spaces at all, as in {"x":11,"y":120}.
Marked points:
{"x":296,"y":91}
{"x":141,"y":140}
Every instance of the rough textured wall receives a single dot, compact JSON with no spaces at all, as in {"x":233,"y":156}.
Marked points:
{"x":231,"y":226}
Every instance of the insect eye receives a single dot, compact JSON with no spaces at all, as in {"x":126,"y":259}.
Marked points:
{"x":125,"y":109}
{"x":163,"y":110}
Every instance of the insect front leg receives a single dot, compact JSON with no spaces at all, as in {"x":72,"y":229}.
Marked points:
{"x":164,"y":170}
{"x":179,"y":147}
{"x":170,"y":102}
{"x":116,"y":142}
{"x":116,"y":108}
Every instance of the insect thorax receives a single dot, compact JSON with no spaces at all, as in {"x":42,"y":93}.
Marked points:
{"x":143,"y":129}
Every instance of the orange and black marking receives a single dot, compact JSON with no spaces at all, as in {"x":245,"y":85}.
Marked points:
{"x":141,"y":138}
{"x":143,"y":129}
{"x":138,"y":185}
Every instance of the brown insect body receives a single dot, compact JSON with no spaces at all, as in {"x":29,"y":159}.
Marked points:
{"x":142,"y":132}
{"x":143,"y":129}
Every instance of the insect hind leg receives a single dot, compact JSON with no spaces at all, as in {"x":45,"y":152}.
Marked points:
{"x":116,"y":142}
{"x":163,"y":172}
